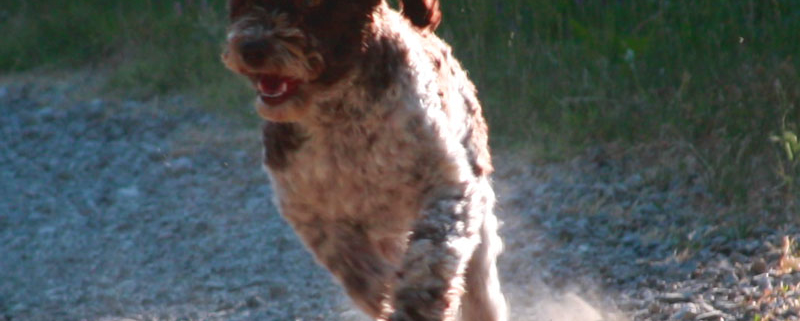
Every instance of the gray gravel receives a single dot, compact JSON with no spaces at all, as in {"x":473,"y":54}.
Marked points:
{"x":639,"y":225}
{"x":147,"y":211}
{"x":155,"y":210}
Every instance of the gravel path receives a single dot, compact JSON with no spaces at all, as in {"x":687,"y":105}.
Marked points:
{"x":129,"y":210}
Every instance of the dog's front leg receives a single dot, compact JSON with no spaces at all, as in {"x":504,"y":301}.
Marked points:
{"x":431,"y":281}
{"x":347,"y":253}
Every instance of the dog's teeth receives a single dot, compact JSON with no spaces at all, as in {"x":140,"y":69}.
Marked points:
{"x":274,"y":93}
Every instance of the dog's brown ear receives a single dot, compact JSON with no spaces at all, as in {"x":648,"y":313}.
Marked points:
{"x":237,"y":7}
{"x":422,"y":13}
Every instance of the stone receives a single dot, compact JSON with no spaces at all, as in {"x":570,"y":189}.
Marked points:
{"x":758,"y":266}
{"x":674,"y":297}
{"x":687,"y":311}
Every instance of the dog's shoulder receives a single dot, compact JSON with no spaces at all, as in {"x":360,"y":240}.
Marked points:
{"x":459,"y":100}
{"x":403,"y":53}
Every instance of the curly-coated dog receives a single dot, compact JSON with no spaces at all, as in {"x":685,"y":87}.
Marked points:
{"x":376,"y":150}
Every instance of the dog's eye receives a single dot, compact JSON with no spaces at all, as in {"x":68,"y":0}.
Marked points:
{"x":311,"y":3}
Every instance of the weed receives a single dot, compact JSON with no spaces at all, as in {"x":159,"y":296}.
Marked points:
{"x":788,"y":168}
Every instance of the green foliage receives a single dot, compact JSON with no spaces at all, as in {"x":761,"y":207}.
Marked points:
{"x":562,"y":74}
{"x":789,"y":146}
{"x":628,"y":70}
{"x":146,"y":47}
{"x":553,"y":74}
{"x":788,"y":141}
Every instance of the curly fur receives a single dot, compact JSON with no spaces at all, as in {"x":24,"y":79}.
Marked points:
{"x":379,"y":161}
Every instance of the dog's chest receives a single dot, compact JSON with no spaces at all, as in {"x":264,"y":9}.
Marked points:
{"x":369,"y":172}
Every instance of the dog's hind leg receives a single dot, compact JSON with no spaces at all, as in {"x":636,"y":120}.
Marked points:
{"x":483,"y":300}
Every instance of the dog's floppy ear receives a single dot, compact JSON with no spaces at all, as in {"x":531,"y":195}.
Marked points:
{"x":237,"y":7}
{"x":422,"y":13}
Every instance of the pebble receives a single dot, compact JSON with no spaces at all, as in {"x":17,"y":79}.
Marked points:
{"x":686,"y":311}
{"x":180,"y":165}
{"x":129,"y":192}
{"x":675,"y":297}
{"x":764,"y":281}
{"x":758,"y":266}
{"x":254,"y":301}
{"x":730,"y":278}
{"x":46,"y":114}
{"x":710,"y":315}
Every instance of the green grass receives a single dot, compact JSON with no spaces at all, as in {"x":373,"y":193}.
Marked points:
{"x":147,"y":48}
{"x":721,"y":77}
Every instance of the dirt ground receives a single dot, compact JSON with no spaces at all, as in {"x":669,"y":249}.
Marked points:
{"x":119,"y":210}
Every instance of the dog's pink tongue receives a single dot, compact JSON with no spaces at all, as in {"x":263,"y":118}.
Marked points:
{"x":273,"y":86}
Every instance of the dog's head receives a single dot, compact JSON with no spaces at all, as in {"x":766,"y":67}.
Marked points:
{"x":292,"y":50}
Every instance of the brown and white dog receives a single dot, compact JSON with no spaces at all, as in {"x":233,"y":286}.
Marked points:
{"x":376,"y":150}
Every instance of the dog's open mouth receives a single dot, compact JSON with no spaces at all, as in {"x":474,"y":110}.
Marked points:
{"x":274,"y":89}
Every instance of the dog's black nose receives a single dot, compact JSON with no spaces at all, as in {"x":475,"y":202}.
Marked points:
{"x":254,"y":52}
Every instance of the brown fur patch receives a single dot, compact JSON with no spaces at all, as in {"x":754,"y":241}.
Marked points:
{"x":280,"y":139}
{"x":385,"y":61}
{"x":423,"y":13}
{"x":338,"y":26}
